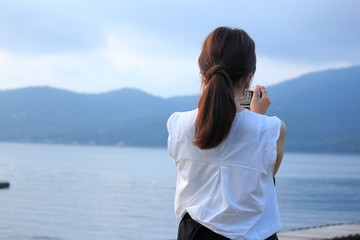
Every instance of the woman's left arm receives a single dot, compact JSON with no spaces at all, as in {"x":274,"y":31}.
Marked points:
{"x":280,"y":148}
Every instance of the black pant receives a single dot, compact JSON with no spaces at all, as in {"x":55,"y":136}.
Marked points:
{"x":192,"y":230}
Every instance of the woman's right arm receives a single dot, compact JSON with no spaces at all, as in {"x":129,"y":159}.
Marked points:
{"x":260,"y":104}
{"x":280,"y":148}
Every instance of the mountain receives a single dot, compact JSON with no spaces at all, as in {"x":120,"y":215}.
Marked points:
{"x":127,"y":116}
{"x":321,"y":111}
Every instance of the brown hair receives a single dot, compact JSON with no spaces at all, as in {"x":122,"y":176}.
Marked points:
{"x":226,"y":61}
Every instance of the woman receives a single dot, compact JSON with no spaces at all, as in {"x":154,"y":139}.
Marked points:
{"x":227,"y":155}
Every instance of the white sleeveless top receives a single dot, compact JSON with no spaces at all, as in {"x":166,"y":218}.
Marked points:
{"x":228,"y":189}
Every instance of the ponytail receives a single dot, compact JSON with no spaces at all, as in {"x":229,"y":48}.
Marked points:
{"x":227,"y":57}
{"x":216,"y":109}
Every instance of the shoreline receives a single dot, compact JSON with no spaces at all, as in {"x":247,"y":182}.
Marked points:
{"x":123,"y":145}
{"x":342,"y":231}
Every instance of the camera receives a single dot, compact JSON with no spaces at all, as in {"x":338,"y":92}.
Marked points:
{"x":245,"y":102}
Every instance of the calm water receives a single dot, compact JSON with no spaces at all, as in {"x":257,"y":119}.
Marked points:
{"x":78,"y":192}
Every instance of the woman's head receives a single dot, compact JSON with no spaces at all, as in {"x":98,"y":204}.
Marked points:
{"x":231,"y":50}
{"x":227,"y":63}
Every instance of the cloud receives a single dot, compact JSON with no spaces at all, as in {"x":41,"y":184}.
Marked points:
{"x":49,"y":69}
{"x":307,"y":30}
{"x":42,"y":27}
{"x":151,"y":63}
{"x":97,"y":46}
{"x":271,"y":71}
{"x":134,"y":58}
{"x":125,"y":59}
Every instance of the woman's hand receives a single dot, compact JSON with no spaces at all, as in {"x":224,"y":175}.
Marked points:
{"x":260,"y":104}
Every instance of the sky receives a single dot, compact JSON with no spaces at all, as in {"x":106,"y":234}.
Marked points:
{"x":96,"y":46}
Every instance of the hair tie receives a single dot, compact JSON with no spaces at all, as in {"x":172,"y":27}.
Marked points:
{"x":215,"y":69}
{"x":224,"y":73}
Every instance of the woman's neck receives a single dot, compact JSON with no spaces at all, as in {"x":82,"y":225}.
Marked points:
{"x":238,"y":95}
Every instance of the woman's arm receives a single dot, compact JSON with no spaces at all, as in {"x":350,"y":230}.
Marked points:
{"x":260,"y":101}
{"x":280,"y":147}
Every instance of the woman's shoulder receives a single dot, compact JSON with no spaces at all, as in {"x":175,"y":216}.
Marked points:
{"x":253,"y":115}
{"x":255,"y":119}
{"x":184,"y":114}
{"x":187,"y":115}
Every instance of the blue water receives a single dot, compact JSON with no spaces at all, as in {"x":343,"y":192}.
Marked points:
{"x":87,"y":192}
{"x":316,"y":189}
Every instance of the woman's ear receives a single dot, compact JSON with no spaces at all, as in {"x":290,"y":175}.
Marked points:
{"x":249,"y":79}
{"x":246,"y":80}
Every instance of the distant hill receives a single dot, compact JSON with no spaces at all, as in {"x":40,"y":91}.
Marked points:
{"x":127,"y":116}
{"x":321,"y":111}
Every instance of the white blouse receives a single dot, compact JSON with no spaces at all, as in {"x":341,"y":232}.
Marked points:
{"x":228,"y":189}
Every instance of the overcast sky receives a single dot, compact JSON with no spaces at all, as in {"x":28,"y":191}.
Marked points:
{"x":102,"y":45}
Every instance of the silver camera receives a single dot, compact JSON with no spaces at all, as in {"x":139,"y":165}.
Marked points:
{"x":245,"y":102}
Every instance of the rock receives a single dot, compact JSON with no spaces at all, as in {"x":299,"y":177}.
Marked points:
{"x":4,"y":185}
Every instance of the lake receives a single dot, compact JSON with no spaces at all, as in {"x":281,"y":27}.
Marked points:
{"x":61,"y":192}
